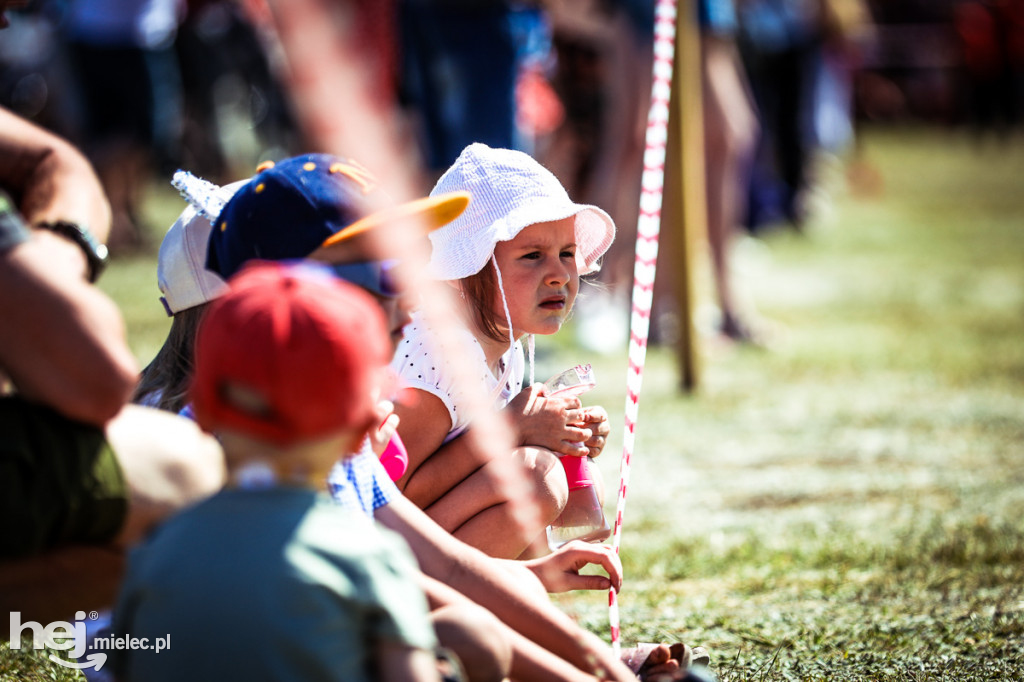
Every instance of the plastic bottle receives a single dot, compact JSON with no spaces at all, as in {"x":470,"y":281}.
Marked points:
{"x":583,"y":518}
{"x":395,"y":458}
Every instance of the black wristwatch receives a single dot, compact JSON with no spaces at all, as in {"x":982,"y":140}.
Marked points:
{"x":95,"y":252}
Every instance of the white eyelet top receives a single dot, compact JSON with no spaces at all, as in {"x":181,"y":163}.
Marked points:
{"x":422,"y":364}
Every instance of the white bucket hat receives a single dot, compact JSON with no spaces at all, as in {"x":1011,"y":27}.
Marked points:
{"x":508,"y":191}
{"x":181,"y":270}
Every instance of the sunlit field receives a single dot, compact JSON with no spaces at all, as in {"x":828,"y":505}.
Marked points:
{"x":847,"y":504}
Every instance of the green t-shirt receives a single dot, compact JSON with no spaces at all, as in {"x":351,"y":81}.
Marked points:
{"x":272,"y":584}
{"x":60,"y":483}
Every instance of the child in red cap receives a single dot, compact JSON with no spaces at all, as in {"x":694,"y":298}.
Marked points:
{"x":269,"y":579}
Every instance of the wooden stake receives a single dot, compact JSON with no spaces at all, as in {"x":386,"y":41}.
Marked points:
{"x":685,"y":210}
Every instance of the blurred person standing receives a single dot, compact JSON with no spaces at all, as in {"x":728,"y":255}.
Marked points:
{"x":130,"y":86}
{"x":604,"y":72}
{"x":730,"y":134}
{"x":847,"y":32}
{"x":461,"y":60}
{"x":780,"y":41}
{"x":731,"y":131}
{"x":236,"y":112}
{"x":602,"y":76}
{"x":991,"y":40}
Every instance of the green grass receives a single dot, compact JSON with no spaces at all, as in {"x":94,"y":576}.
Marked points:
{"x":30,"y":665}
{"x":850,"y":504}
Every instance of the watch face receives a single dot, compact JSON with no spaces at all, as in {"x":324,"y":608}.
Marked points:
{"x":100,"y":249}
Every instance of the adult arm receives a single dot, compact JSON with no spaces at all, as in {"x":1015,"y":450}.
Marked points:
{"x":49,"y":179}
{"x":487,"y":582}
{"x":62,"y":342}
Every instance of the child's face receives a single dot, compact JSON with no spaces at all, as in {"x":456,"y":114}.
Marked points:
{"x":538,"y":271}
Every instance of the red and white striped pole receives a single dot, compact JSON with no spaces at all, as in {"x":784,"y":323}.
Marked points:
{"x":644,"y":268}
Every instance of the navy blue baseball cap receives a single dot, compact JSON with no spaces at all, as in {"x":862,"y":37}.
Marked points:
{"x":290,"y":209}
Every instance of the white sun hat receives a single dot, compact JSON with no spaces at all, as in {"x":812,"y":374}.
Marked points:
{"x":509,"y":191}
{"x":181,"y":270}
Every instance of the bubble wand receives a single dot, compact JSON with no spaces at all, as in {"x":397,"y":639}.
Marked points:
{"x":647,"y":230}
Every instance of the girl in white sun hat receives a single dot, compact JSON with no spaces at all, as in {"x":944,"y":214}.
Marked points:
{"x":514,"y":257}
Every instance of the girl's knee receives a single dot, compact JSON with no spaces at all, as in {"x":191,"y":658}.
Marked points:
{"x":545,"y":472}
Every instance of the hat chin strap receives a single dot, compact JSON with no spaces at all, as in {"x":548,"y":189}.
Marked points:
{"x":532,"y":347}
{"x":511,"y":336}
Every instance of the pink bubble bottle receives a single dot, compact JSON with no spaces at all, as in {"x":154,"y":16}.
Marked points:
{"x":583,"y":518}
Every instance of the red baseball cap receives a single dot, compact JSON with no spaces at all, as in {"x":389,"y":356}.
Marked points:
{"x":290,"y":353}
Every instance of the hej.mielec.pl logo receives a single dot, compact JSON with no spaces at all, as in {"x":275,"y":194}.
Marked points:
{"x":62,"y":636}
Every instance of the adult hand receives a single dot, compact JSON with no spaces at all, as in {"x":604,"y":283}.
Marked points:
{"x":555,"y":422}
{"x":560,"y":570}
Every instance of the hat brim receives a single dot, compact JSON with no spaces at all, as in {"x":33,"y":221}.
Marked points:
{"x":431,"y":212}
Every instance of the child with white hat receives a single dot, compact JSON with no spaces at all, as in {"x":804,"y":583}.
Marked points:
{"x":186,"y":286}
{"x":508,"y":593}
{"x":514,"y":257}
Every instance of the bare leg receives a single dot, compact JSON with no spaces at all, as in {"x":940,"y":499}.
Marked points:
{"x":478,"y":511}
{"x":730,"y":127}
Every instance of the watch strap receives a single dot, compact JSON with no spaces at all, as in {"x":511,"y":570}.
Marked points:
{"x":95,"y":252}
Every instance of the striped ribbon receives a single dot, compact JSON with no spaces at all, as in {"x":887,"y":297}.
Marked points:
{"x":644,"y":268}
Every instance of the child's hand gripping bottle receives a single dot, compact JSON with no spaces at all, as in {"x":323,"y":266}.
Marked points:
{"x":583,"y":518}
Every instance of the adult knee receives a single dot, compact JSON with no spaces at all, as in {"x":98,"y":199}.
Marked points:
{"x":168,"y":463}
{"x":477,"y":638}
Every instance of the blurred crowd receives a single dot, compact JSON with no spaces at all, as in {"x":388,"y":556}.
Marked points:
{"x":507,"y":109}
{"x":147,"y":86}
